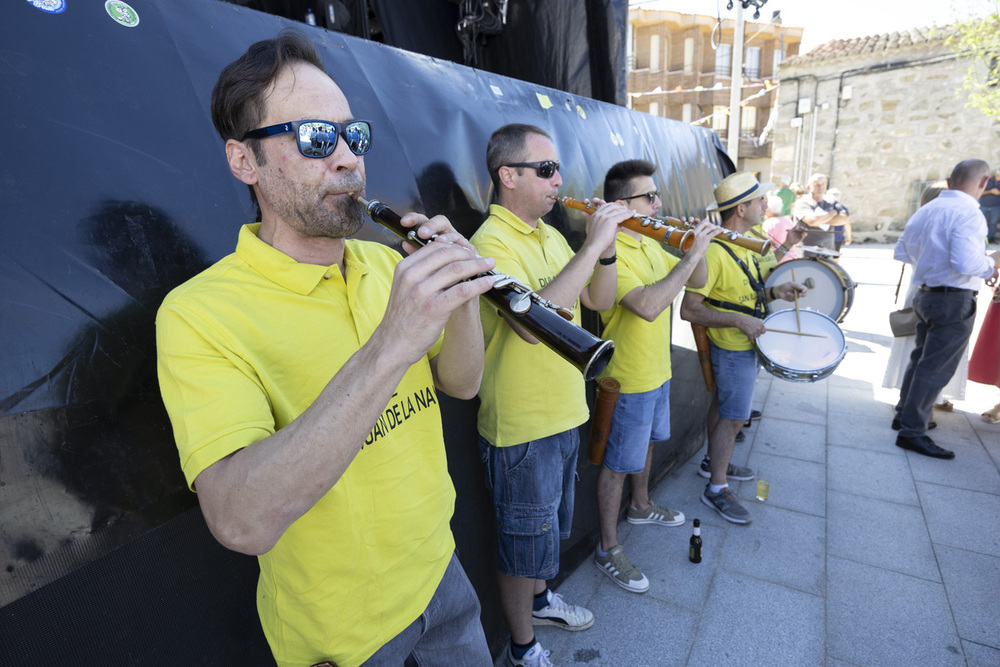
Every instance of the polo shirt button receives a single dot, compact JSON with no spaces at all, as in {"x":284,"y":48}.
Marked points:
{"x":327,"y":277}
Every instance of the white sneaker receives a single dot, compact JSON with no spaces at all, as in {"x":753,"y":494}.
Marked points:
{"x":535,"y":657}
{"x":561,"y":614}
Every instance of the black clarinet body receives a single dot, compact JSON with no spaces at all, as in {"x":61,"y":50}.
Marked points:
{"x":544,"y":320}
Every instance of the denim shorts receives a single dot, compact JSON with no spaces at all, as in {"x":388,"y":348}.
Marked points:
{"x":735,"y":375}
{"x":533,"y":487}
{"x":638,"y":420}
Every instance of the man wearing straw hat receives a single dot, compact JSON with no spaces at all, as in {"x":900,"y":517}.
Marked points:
{"x":732,"y":306}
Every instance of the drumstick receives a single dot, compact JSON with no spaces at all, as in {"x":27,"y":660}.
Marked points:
{"x":798,"y":322}
{"x":795,"y":333}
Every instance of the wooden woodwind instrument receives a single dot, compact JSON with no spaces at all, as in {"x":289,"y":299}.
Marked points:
{"x":655,"y":228}
{"x":677,"y":233}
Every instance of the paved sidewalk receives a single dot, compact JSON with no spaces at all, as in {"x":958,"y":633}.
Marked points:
{"x":863,"y":554}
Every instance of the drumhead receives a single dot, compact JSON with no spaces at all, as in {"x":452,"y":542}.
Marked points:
{"x":819,"y":353}
{"x":832,"y":291}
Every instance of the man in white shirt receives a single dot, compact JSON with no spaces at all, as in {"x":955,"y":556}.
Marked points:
{"x":944,"y":243}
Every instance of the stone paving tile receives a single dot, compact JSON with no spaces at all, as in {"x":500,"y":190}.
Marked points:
{"x":870,"y":473}
{"x":781,"y":546}
{"x":786,"y":437}
{"x":861,"y":430}
{"x":873,"y":532}
{"x":877,"y":617}
{"x":972,"y":468}
{"x":971,"y":580}
{"x":977,"y":655}
{"x":752,"y":622}
{"x":665,"y":638}
{"x":961,"y":518}
{"x":794,"y":484}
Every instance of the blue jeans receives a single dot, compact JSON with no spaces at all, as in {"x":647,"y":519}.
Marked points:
{"x":449,"y":631}
{"x":992,"y":214}
{"x":944,"y":324}
{"x":533,"y":486}
{"x":638,"y":419}
{"x":735,"y":375}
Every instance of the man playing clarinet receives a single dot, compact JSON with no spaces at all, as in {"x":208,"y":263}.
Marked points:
{"x":276,"y":364}
{"x":532,"y":400}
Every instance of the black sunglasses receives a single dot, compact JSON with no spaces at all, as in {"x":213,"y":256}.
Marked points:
{"x":651,"y":196}
{"x":544,"y":169}
{"x":318,"y":138}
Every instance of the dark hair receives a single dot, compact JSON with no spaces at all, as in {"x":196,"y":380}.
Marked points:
{"x":239,"y":95}
{"x":508,"y":144}
{"x":618,"y":181}
{"x":968,"y":170}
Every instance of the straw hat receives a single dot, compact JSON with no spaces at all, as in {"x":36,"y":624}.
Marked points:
{"x":736,"y":189}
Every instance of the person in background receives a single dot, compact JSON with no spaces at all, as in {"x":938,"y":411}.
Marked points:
{"x":814,"y":210}
{"x":944,"y":242}
{"x":989,"y":204}
{"x":902,"y":346}
{"x":984,"y":365}
{"x":786,"y":194}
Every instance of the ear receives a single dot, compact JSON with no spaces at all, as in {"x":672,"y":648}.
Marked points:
{"x":507,"y":176}
{"x":242,"y":162}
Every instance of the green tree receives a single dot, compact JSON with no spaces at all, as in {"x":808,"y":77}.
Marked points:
{"x":979,"y":38}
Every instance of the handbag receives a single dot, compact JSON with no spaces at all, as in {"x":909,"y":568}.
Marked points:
{"x":903,"y":322}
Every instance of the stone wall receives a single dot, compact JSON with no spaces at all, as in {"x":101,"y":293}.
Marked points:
{"x":902,"y":122}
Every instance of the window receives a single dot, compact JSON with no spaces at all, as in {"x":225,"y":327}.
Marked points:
{"x":720,"y":119}
{"x":748,"y":121}
{"x":654,"y":108}
{"x":654,"y":52}
{"x":686,"y":113}
{"x":724,"y":60}
{"x":752,"y":66}
{"x":688,"y":54}
{"x":779,"y":56}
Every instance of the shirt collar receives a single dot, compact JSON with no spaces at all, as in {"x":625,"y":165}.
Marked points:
{"x":514,"y":222}
{"x":625,"y":239}
{"x":280,"y":268}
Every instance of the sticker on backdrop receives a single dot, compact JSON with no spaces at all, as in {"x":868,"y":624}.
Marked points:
{"x":580,"y":112}
{"x":122,"y":13}
{"x":50,"y":6}
{"x":544,"y":101}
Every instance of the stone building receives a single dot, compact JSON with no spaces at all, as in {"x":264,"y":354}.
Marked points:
{"x":883,"y":116}
{"x":680,"y":67}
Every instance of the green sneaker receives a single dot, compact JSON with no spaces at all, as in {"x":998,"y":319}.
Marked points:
{"x":655,"y":514}
{"x":621,"y":570}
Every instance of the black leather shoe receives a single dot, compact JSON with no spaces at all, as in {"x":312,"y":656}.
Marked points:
{"x":754,"y":416}
{"x":924,"y":445}
{"x":895,"y":424}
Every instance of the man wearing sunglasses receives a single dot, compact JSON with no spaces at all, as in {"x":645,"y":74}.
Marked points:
{"x":649,"y":280}
{"x":299,"y":374}
{"x":533,"y":401}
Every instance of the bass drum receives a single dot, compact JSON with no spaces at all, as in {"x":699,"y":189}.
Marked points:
{"x":831,"y":290}
{"x":800,"y":358}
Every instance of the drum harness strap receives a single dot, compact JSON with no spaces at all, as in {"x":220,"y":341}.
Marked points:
{"x":760,"y":308}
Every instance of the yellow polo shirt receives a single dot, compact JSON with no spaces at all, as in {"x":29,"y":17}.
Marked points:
{"x":243,"y":349}
{"x":642,"y":349}
{"x":528,"y":391}
{"x":728,"y":282}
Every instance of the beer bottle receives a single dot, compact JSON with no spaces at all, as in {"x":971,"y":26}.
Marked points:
{"x":694,"y":553}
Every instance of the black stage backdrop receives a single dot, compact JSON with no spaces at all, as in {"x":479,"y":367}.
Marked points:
{"x":114,"y":189}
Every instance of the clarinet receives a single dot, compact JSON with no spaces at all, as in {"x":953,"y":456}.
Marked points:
{"x":547,"y":322}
